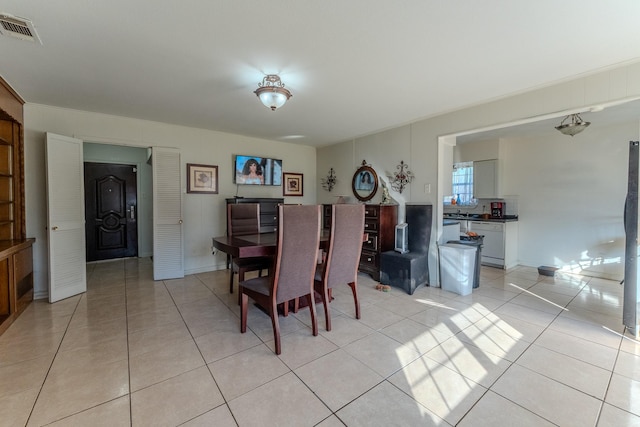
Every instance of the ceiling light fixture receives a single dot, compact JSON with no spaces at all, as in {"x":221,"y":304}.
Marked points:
{"x":272,"y":92}
{"x":576,"y":126}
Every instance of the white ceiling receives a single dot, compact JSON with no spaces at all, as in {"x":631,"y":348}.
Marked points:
{"x":354,"y":67}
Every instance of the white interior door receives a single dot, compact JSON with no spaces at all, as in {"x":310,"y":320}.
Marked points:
{"x":168,"y":249}
{"x":65,"y":217}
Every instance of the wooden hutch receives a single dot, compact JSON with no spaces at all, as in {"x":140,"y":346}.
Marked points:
{"x":16,"y":256}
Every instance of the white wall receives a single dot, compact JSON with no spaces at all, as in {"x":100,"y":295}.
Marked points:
{"x":204,"y":215}
{"x":429,"y":155}
{"x":572,"y":193}
{"x":480,"y":150}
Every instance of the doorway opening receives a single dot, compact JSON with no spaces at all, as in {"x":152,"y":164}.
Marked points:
{"x":118,"y":202}
{"x":111,"y":200}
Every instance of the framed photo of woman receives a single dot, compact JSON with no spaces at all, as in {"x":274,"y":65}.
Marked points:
{"x":292,"y":184}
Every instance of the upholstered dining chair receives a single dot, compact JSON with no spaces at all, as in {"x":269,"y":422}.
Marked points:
{"x":292,"y":274}
{"x":244,"y":219}
{"x":340,"y":266}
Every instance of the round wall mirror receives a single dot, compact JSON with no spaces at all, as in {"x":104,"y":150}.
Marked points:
{"x":365,"y":183}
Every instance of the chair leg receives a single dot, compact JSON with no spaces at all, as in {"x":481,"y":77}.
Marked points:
{"x":312,"y":307}
{"x":243,"y":311}
{"x":276,"y":326}
{"x":296,"y":305}
{"x":326,"y":297}
{"x":231,"y":274}
{"x":354,"y":290}
{"x":240,"y":280}
{"x":285,"y":308}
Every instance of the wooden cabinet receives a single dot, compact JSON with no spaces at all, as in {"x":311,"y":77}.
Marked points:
{"x":268,"y":211}
{"x":486,"y":179}
{"x":16,"y":257}
{"x":16,"y":279}
{"x":379,"y":223}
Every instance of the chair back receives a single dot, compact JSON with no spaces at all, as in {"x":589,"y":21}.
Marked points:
{"x":297,"y":251}
{"x":243,"y":219}
{"x":345,"y":244}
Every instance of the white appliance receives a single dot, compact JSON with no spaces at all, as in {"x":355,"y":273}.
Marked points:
{"x":402,"y":238}
{"x":450,"y":231}
{"x":493,"y":242}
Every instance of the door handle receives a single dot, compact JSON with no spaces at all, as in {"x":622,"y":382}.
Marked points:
{"x":132,"y":212}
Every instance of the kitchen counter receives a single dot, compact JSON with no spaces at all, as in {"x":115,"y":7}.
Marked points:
{"x":476,"y":217}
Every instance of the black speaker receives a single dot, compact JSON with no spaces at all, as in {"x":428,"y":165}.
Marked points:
{"x":418,"y":217}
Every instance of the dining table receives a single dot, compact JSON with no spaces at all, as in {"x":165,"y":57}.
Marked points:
{"x":261,"y":244}
{"x":255,"y":245}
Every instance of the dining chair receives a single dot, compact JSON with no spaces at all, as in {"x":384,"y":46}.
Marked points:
{"x":244,"y":219}
{"x":293,"y":271}
{"x":343,"y":255}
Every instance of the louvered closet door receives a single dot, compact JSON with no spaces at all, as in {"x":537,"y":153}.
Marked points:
{"x":65,"y":217}
{"x":168,"y":250}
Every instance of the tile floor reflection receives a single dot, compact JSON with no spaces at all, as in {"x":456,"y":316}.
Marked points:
{"x":522,"y":349}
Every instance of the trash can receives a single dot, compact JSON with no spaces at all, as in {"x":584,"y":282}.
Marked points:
{"x":457,"y":267}
{"x":477,"y":243}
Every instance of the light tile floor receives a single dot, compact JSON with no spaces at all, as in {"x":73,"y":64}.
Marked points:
{"x":522,"y":350}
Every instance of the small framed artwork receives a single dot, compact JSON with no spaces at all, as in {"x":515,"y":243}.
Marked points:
{"x":202,"y":179}
{"x":292,"y":184}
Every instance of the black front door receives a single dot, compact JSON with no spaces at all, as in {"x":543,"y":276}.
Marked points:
{"x":110,"y":211}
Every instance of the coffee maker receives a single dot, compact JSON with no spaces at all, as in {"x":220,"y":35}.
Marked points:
{"x":498,"y":209}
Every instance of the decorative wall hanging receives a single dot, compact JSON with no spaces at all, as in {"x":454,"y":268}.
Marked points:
{"x":292,"y":184}
{"x":330,"y":181}
{"x":202,"y":179}
{"x":365,"y":182}
{"x":401,"y":178}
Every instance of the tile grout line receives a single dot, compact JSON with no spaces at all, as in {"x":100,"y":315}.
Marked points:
{"x":66,"y":329}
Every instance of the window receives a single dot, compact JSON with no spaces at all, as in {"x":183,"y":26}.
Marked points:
{"x":463,"y":183}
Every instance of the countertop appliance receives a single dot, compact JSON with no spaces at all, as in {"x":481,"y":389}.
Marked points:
{"x":498,"y":209}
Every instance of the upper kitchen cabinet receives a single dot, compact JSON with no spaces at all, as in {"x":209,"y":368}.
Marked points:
{"x":486,"y":179}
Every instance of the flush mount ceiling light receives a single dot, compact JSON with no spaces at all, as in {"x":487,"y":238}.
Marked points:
{"x":272,"y":92}
{"x":576,"y":125}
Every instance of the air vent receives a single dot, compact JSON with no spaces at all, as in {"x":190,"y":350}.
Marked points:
{"x":19,"y":28}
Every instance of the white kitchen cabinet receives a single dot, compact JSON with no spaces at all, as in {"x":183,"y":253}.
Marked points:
{"x":486,"y":179}
{"x":500,"y":243}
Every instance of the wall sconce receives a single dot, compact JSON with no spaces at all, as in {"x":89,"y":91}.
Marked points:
{"x":330,"y":181}
{"x":401,"y":178}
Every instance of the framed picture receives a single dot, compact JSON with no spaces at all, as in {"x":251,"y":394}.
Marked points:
{"x":292,"y":184}
{"x":202,"y":179}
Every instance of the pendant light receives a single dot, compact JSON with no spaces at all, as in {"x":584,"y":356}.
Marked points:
{"x":574,"y":127}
